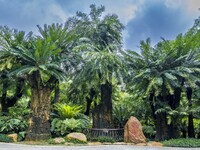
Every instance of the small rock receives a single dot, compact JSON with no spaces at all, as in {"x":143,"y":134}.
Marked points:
{"x":155,"y":144}
{"x":107,"y":143}
{"x":133,"y":131}
{"x":69,"y":144}
{"x":77,"y":136}
{"x":94,"y":143}
{"x":13,"y":136}
{"x":58,"y":140}
{"x":141,"y":144}
{"x":119,"y":143}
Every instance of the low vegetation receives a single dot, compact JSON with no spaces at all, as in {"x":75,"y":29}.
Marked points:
{"x":188,"y":142}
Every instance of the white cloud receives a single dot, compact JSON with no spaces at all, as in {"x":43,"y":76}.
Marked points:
{"x":193,"y":6}
{"x":126,"y":9}
{"x":56,"y":11}
{"x":44,"y":12}
{"x":174,"y":3}
{"x":127,"y":13}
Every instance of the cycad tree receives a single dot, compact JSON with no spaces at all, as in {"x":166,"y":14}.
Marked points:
{"x":41,"y":64}
{"x":101,"y":59}
{"x":159,"y":73}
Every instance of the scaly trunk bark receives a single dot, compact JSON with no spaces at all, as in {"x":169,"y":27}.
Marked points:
{"x":191,"y":133}
{"x":174,"y":102}
{"x":161,"y":126}
{"x":4,"y":94}
{"x":102,"y":113}
{"x":153,"y":109}
{"x":39,"y":124}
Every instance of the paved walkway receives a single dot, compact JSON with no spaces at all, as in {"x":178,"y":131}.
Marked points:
{"x":8,"y":146}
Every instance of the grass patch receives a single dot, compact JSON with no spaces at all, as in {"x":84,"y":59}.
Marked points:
{"x":103,"y":139}
{"x":188,"y":142}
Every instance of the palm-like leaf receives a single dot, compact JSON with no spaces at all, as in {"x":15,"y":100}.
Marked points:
{"x":38,"y":54}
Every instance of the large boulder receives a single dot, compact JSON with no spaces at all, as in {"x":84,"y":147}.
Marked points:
{"x":133,"y":131}
{"x":77,"y":136}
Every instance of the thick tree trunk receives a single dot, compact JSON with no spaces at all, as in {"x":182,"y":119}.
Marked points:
{"x":161,"y":126}
{"x":191,"y":133}
{"x":160,"y":119}
{"x":153,"y":109}
{"x":174,"y":102}
{"x":102,"y":114}
{"x":89,"y":102}
{"x":4,"y":95}
{"x":39,"y":125}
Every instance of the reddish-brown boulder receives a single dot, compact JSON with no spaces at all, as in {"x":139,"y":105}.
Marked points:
{"x":133,"y":131}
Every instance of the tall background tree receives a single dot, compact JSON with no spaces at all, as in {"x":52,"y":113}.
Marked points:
{"x":161,"y":73}
{"x":101,"y":59}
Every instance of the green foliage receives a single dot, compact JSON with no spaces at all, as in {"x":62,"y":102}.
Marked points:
{"x":100,"y":48}
{"x":182,"y":143}
{"x":65,"y":111}
{"x":68,"y":119}
{"x":122,"y":107}
{"x":127,"y":105}
{"x":121,"y":114}
{"x":20,"y":110}
{"x":5,"y":138}
{"x":149,"y":131}
{"x":63,"y":127}
{"x":16,"y":119}
{"x":21,"y":136}
{"x":12,"y":125}
{"x":197,"y":127}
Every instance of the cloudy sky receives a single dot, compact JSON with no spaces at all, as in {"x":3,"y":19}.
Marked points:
{"x":142,"y":18}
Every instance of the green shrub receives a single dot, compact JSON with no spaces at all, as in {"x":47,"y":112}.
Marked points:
{"x":149,"y":131}
{"x":189,"y":142}
{"x":12,"y":125}
{"x":5,"y":138}
{"x":62,"y":127}
{"x":20,"y":110}
{"x":21,"y":136}
{"x":66,"y":111}
{"x":68,"y":119}
{"x":15,"y":120}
